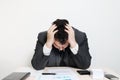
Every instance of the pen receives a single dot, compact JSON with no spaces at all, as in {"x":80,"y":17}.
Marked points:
{"x":48,"y":73}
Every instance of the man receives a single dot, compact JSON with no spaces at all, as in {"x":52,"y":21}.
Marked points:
{"x":61,"y":45}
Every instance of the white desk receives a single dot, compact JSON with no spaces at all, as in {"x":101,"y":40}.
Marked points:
{"x":81,"y":77}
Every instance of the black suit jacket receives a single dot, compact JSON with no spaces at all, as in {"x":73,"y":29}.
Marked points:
{"x":81,"y":60}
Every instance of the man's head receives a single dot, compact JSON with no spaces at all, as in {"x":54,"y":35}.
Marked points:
{"x":61,"y":36}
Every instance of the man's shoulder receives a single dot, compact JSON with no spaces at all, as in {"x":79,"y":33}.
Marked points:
{"x":78,"y":32}
{"x":80,"y":36}
{"x":42,"y":34}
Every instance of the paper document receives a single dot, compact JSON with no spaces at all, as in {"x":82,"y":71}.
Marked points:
{"x":61,"y":74}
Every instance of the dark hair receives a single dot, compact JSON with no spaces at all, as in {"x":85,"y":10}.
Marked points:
{"x":61,"y":35}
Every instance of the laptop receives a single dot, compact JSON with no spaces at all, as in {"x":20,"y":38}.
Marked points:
{"x":17,"y":76}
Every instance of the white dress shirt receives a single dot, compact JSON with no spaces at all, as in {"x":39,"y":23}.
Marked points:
{"x":47,"y":50}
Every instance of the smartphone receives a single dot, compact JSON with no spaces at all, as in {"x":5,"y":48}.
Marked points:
{"x":111,"y":77}
{"x":83,"y":72}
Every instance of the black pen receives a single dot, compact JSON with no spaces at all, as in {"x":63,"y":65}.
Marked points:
{"x":48,"y":73}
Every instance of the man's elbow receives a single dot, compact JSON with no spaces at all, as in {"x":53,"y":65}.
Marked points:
{"x":85,"y":65}
{"x":36,"y":66}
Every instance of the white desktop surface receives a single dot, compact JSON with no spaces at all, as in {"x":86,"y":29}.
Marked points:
{"x":36,"y":73}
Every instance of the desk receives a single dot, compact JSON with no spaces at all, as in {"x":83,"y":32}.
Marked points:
{"x":80,"y":77}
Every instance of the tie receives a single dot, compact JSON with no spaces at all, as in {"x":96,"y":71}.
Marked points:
{"x":62,"y":63}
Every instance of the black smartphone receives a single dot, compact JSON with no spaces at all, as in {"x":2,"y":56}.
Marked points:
{"x":83,"y":72}
{"x":111,"y":77}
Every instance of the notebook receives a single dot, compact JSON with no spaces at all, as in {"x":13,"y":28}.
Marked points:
{"x":17,"y":76}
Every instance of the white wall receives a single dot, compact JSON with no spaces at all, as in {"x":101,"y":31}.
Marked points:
{"x":22,"y":20}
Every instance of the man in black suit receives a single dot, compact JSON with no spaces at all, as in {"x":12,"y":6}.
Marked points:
{"x":61,"y":45}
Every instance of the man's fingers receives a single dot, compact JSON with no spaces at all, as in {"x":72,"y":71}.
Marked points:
{"x":68,"y":27}
{"x":55,"y":31}
{"x":67,"y":31}
{"x":52,"y":28}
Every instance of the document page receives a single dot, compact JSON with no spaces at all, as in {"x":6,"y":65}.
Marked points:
{"x":61,"y":74}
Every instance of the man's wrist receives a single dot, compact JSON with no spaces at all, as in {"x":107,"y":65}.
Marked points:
{"x":73,"y":44}
{"x":75,"y":49}
{"x":46,"y":50}
{"x":48,"y":45}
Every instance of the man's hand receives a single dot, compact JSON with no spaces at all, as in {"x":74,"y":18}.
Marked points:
{"x":50,"y":36}
{"x":71,"y":36}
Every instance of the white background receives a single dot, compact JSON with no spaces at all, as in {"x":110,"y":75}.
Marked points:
{"x":22,"y":20}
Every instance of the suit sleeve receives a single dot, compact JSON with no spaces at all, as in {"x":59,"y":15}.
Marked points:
{"x":39,"y":60}
{"x":82,"y":59}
